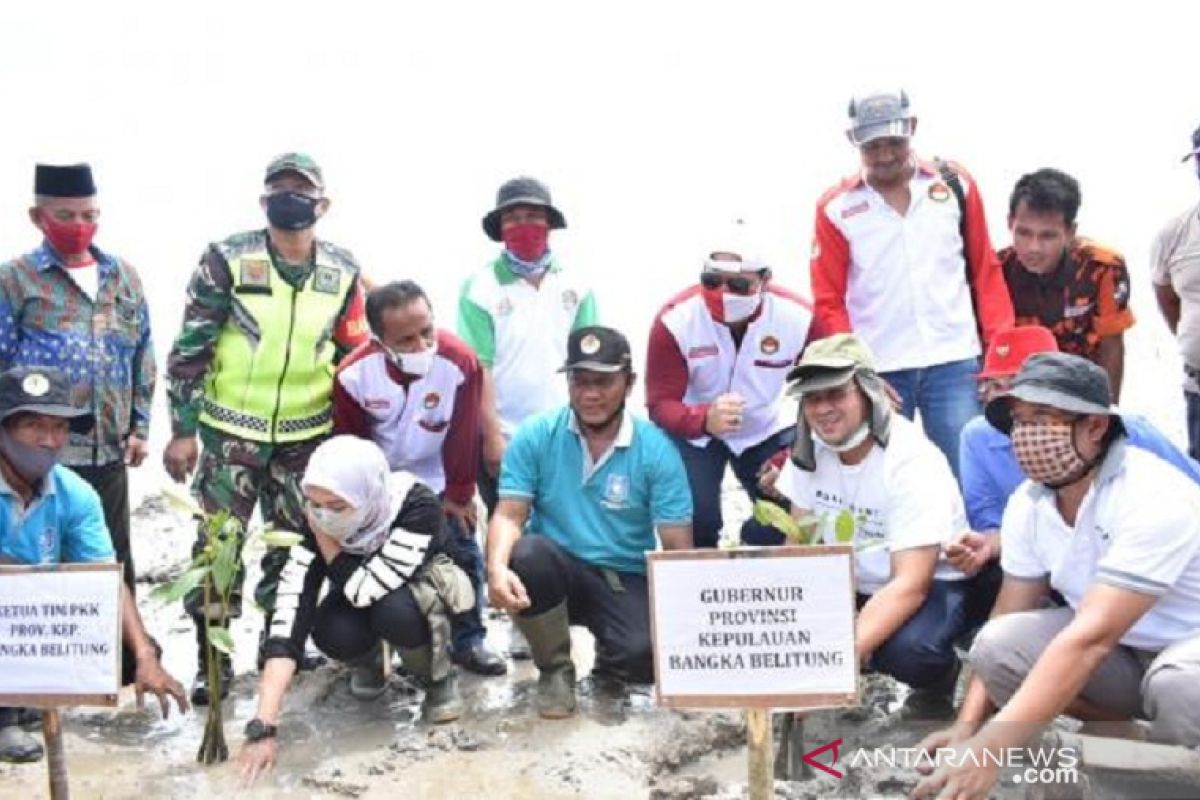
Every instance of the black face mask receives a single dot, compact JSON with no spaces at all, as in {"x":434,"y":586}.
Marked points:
{"x":291,"y":211}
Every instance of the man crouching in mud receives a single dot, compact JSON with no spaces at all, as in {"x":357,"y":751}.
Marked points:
{"x":50,"y":516}
{"x":589,"y":484}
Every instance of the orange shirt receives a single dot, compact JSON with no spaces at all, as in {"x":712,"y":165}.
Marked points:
{"x":1082,"y":301}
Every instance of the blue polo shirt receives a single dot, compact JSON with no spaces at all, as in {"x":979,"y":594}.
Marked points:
{"x":604,"y":513}
{"x":990,"y":473}
{"x":63,"y":525}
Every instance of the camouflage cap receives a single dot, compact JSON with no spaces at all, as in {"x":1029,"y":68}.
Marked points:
{"x":830,"y":362}
{"x":300,"y":163}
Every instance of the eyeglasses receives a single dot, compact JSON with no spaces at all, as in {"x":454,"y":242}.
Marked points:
{"x":738,"y":284}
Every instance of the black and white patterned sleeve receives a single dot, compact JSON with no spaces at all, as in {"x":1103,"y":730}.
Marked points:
{"x":366,"y":579}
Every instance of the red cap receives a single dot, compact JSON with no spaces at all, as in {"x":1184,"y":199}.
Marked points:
{"x":1010,"y":347}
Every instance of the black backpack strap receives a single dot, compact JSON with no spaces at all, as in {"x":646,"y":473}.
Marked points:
{"x":954,"y":181}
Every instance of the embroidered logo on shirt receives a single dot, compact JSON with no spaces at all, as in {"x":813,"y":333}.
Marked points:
{"x":703,"y":351}
{"x":256,"y":272}
{"x":1002,"y":350}
{"x":504,"y":307}
{"x":769,"y":345}
{"x":1070,"y":312}
{"x":939,"y":192}
{"x":326,"y":280}
{"x":431,"y":400}
{"x":851,"y":211}
{"x":616,"y":491}
{"x":570,"y":299}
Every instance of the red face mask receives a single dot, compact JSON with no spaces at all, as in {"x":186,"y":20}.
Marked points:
{"x":68,"y":238}
{"x":526,"y":240}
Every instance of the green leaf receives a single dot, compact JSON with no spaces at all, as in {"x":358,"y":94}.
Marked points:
{"x":220,"y":638}
{"x":772,"y":515}
{"x":844,"y":527}
{"x":181,"y":586}
{"x":225,"y":565}
{"x":181,"y":500}
{"x":277,"y":538}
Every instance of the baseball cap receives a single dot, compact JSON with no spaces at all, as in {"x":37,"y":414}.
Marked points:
{"x":41,"y":391}
{"x":1059,"y":380}
{"x":879,"y":115}
{"x":829,"y":362}
{"x":1010,"y":347}
{"x":301,"y":163}
{"x":736,"y":239}
{"x":598,"y":349}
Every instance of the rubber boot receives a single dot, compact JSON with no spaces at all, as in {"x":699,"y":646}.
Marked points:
{"x":549,"y":637}
{"x":368,"y":677}
{"x":200,"y":693}
{"x":442,"y":701}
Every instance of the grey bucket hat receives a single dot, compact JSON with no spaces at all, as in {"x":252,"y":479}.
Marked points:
{"x":1059,"y":380}
{"x":523,"y":191}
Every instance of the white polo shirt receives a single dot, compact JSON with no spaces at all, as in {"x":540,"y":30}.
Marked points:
{"x":520,"y":331}
{"x":1138,"y":528}
{"x":899,"y":497}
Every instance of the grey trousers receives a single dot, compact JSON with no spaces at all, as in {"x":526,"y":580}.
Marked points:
{"x":1162,"y":687}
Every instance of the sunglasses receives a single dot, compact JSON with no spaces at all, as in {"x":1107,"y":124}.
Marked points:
{"x":738,"y":284}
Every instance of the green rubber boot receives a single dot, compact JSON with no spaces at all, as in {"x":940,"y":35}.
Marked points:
{"x":442,"y":702}
{"x":549,"y":636}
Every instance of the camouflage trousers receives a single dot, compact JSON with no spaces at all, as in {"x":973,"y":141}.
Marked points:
{"x":238,"y":474}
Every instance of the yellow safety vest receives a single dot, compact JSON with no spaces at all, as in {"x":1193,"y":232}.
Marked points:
{"x":272,"y":373}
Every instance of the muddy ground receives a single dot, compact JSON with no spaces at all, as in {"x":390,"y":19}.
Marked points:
{"x":337,"y":747}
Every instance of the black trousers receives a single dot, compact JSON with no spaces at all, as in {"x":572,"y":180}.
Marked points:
{"x":614,"y":606}
{"x":111,"y":482}
{"x":344,"y":632}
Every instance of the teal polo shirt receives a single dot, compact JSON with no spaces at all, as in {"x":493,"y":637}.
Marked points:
{"x":605,"y":513}
{"x":64,"y":524}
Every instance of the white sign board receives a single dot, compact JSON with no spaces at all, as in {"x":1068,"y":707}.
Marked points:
{"x":60,"y":634}
{"x":754,"y":627}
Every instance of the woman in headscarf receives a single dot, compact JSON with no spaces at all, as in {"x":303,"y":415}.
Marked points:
{"x":381,"y":535}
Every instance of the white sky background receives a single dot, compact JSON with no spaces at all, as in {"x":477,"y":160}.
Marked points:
{"x":647,"y":120}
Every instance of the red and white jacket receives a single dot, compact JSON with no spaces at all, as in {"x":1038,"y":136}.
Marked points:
{"x":900,"y":282}
{"x":693,"y":359}
{"x":429,"y":425}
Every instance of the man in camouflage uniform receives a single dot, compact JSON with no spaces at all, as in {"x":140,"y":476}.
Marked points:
{"x":269,"y":314}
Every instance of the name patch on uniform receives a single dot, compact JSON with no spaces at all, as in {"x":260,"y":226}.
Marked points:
{"x":855,"y":209}
{"x":773,"y":363}
{"x":433,"y":426}
{"x":704,"y":351}
{"x":616,"y":491}
{"x":256,"y":272}
{"x":377,"y":404}
{"x":327,"y":280}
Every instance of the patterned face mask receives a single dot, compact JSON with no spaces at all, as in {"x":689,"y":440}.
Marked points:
{"x":1047,"y":454}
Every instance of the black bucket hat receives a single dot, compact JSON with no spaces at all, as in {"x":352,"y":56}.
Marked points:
{"x":1060,"y":380}
{"x":521,"y":191}
{"x":38,"y":390}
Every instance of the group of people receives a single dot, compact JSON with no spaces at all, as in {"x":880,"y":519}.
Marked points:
{"x":343,"y":411}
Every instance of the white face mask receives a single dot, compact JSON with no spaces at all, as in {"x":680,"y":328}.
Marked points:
{"x":418,"y":363}
{"x":739,"y":307}
{"x":337,"y":525}
{"x":851,"y":442}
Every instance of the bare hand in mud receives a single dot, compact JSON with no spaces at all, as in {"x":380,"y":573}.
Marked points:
{"x":257,"y":758}
{"x":179,"y":459}
{"x":152,"y":678}
{"x":950,"y":737}
{"x":136,"y":451}
{"x":964,"y":778}
{"x":506,"y":591}
{"x":464,"y":513}
{"x":972,"y":551}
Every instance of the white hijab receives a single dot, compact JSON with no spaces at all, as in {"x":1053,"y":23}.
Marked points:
{"x":357,"y":471}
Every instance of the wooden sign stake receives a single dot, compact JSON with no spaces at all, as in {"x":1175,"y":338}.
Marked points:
{"x":758,"y":735}
{"x":56,"y":754}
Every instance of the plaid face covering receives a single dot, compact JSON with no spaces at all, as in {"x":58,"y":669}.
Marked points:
{"x":1046,"y":452}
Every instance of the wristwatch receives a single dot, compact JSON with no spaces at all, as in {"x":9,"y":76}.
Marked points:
{"x":257,"y":730}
